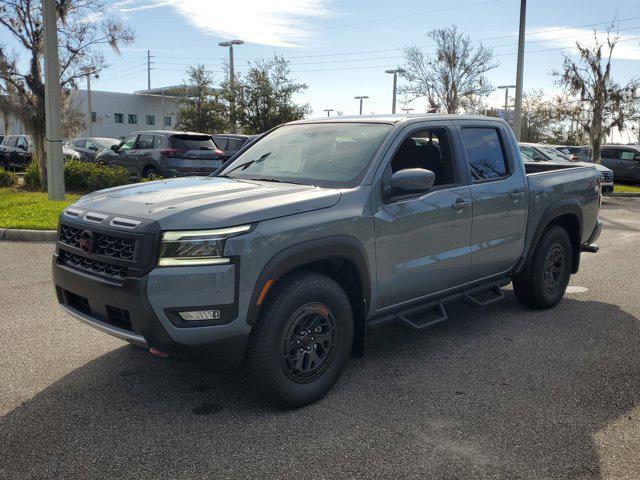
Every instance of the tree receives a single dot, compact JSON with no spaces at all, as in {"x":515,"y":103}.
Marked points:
{"x":201,"y":109}
{"x":264,"y":96}
{"x":609,"y":104}
{"x":454,"y":79}
{"x":79,"y":35}
{"x":538,"y":115}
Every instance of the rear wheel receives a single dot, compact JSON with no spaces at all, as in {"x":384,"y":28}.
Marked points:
{"x":302,"y":340}
{"x":549,"y":271}
{"x":149,"y":172}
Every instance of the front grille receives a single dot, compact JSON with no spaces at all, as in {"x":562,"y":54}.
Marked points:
{"x":107,"y":245}
{"x":95,"y":266}
{"x":607,"y":176}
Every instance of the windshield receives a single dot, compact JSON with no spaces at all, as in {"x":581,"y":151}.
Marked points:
{"x":323,"y":154}
{"x":554,"y":154}
{"x":106,"y":142}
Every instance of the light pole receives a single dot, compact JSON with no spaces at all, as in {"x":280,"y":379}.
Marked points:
{"x":88,"y":71}
{"x":361,"y":97}
{"x":517,"y":117}
{"x":506,"y":100}
{"x":232,"y":81}
{"x":328,"y":110}
{"x":52,"y":105}
{"x":395,"y":73}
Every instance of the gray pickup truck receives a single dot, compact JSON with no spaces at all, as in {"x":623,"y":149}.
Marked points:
{"x":279,"y":262}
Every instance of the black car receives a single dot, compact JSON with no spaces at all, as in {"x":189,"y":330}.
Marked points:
{"x":165,"y":153}
{"x":16,"y":151}
{"x":231,"y":143}
{"x":88,"y":147}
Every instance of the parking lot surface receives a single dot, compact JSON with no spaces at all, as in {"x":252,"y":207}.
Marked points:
{"x":500,"y":392}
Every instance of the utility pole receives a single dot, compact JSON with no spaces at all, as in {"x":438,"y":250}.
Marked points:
{"x":53,"y":111}
{"x":395,"y":73}
{"x":506,"y":100}
{"x":328,"y":110}
{"x":517,"y":118}
{"x":149,"y":62}
{"x":88,"y":72}
{"x":232,"y":82}
{"x":361,"y":97}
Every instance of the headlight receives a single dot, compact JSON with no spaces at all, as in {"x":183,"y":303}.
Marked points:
{"x":196,"y":247}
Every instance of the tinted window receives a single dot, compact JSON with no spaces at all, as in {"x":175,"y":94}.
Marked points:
{"x":11,"y":141}
{"x":609,"y":153}
{"x":22,"y":142}
{"x":193,"y":142}
{"x":428,"y":149}
{"x":486,"y":157}
{"x":235,"y":144}
{"x":628,"y":154}
{"x":145,"y":141}
{"x":157,"y":141}
{"x":221,"y":142}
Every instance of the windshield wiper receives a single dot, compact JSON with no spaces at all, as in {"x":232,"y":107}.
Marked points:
{"x":246,"y":164}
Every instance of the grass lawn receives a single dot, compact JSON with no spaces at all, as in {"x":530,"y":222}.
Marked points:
{"x":626,"y":188}
{"x":30,"y":210}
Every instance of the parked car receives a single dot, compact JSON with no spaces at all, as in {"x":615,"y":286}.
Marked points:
{"x":623,"y":160}
{"x":164,"y":153}
{"x":318,"y":231}
{"x":88,"y":147}
{"x":17,"y":152}
{"x":231,"y":143}
{"x":545,"y":153}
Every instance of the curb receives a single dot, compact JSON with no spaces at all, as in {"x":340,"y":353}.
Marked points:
{"x":17,"y":235}
{"x":623,"y":194}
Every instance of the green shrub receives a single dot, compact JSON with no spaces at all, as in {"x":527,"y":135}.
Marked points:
{"x":88,"y":177}
{"x":7,"y":178}
{"x":32,"y":175}
{"x":81,"y":176}
{"x":151,"y":178}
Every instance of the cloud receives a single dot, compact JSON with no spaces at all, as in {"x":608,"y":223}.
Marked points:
{"x":280,"y":23}
{"x":627,"y":48}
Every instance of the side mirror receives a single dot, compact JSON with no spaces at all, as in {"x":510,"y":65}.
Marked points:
{"x":22,"y":147}
{"x":637,"y":158}
{"x":115,"y":147}
{"x":95,"y":149}
{"x":408,"y":181}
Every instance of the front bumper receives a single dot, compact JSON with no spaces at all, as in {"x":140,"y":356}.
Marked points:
{"x":138,"y":310}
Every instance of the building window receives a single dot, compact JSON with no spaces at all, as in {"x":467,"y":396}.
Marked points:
{"x":94,"y":116}
{"x":132,"y":119}
{"x":151,"y":120}
{"x":118,"y":117}
{"x":167,"y":121}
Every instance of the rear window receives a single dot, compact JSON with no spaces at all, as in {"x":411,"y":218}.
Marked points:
{"x":486,"y":157}
{"x":235,"y":144}
{"x":193,"y":142}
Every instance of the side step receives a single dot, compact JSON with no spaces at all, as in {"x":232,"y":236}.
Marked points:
{"x":432,"y":313}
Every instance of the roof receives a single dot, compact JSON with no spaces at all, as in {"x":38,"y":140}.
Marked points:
{"x":395,"y":118}
{"x":169,"y":132}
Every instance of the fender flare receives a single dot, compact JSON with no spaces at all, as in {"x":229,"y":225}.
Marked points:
{"x":553,"y":211}
{"x":342,"y":247}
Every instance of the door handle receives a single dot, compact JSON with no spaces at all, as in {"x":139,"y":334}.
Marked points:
{"x":516,"y":194}
{"x":460,"y":204}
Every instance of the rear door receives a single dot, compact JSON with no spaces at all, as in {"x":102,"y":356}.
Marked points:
{"x":497,"y":184}
{"x":422,"y":242}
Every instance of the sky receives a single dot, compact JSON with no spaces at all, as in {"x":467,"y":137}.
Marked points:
{"x":341,"y":48}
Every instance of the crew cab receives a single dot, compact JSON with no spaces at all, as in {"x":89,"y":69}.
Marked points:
{"x":279,"y":262}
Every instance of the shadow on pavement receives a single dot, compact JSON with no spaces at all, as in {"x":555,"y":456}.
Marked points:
{"x":502,"y":392}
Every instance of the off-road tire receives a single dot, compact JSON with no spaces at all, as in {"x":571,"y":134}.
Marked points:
{"x":549,"y":272}
{"x":266,"y":364}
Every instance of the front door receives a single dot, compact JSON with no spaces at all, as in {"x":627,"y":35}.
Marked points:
{"x":127,"y":155}
{"x":610,"y":158}
{"x":499,"y":199}
{"x":422,"y":243}
{"x":629,"y":164}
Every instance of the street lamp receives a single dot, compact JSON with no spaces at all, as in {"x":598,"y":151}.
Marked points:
{"x":395,"y":73}
{"x":328,"y":110}
{"x":506,"y":100}
{"x":361,"y":97}
{"x":232,"y":81}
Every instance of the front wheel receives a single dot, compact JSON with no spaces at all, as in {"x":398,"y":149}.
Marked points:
{"x":549,"y":272}
{"x":302,"y":340}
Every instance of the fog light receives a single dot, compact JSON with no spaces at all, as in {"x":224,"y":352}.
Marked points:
{"x":200,"y":315}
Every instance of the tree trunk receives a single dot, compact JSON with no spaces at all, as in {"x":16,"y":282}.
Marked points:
{"x":40,"y":155}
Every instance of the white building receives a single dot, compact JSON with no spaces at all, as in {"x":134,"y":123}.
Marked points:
{"x":115,"y":114}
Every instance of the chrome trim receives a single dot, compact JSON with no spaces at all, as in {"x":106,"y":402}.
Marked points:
{"x":105,"y":327}
{"x":124,"y":222}
{"x":94,"y":217}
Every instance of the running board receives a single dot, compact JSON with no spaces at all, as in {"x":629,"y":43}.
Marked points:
{"x":434,"y":312}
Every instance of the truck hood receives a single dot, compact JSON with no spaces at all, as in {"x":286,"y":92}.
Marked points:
{"x":208,"y":202}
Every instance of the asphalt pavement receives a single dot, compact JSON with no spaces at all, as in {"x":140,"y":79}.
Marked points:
{"x":500,"y":392}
